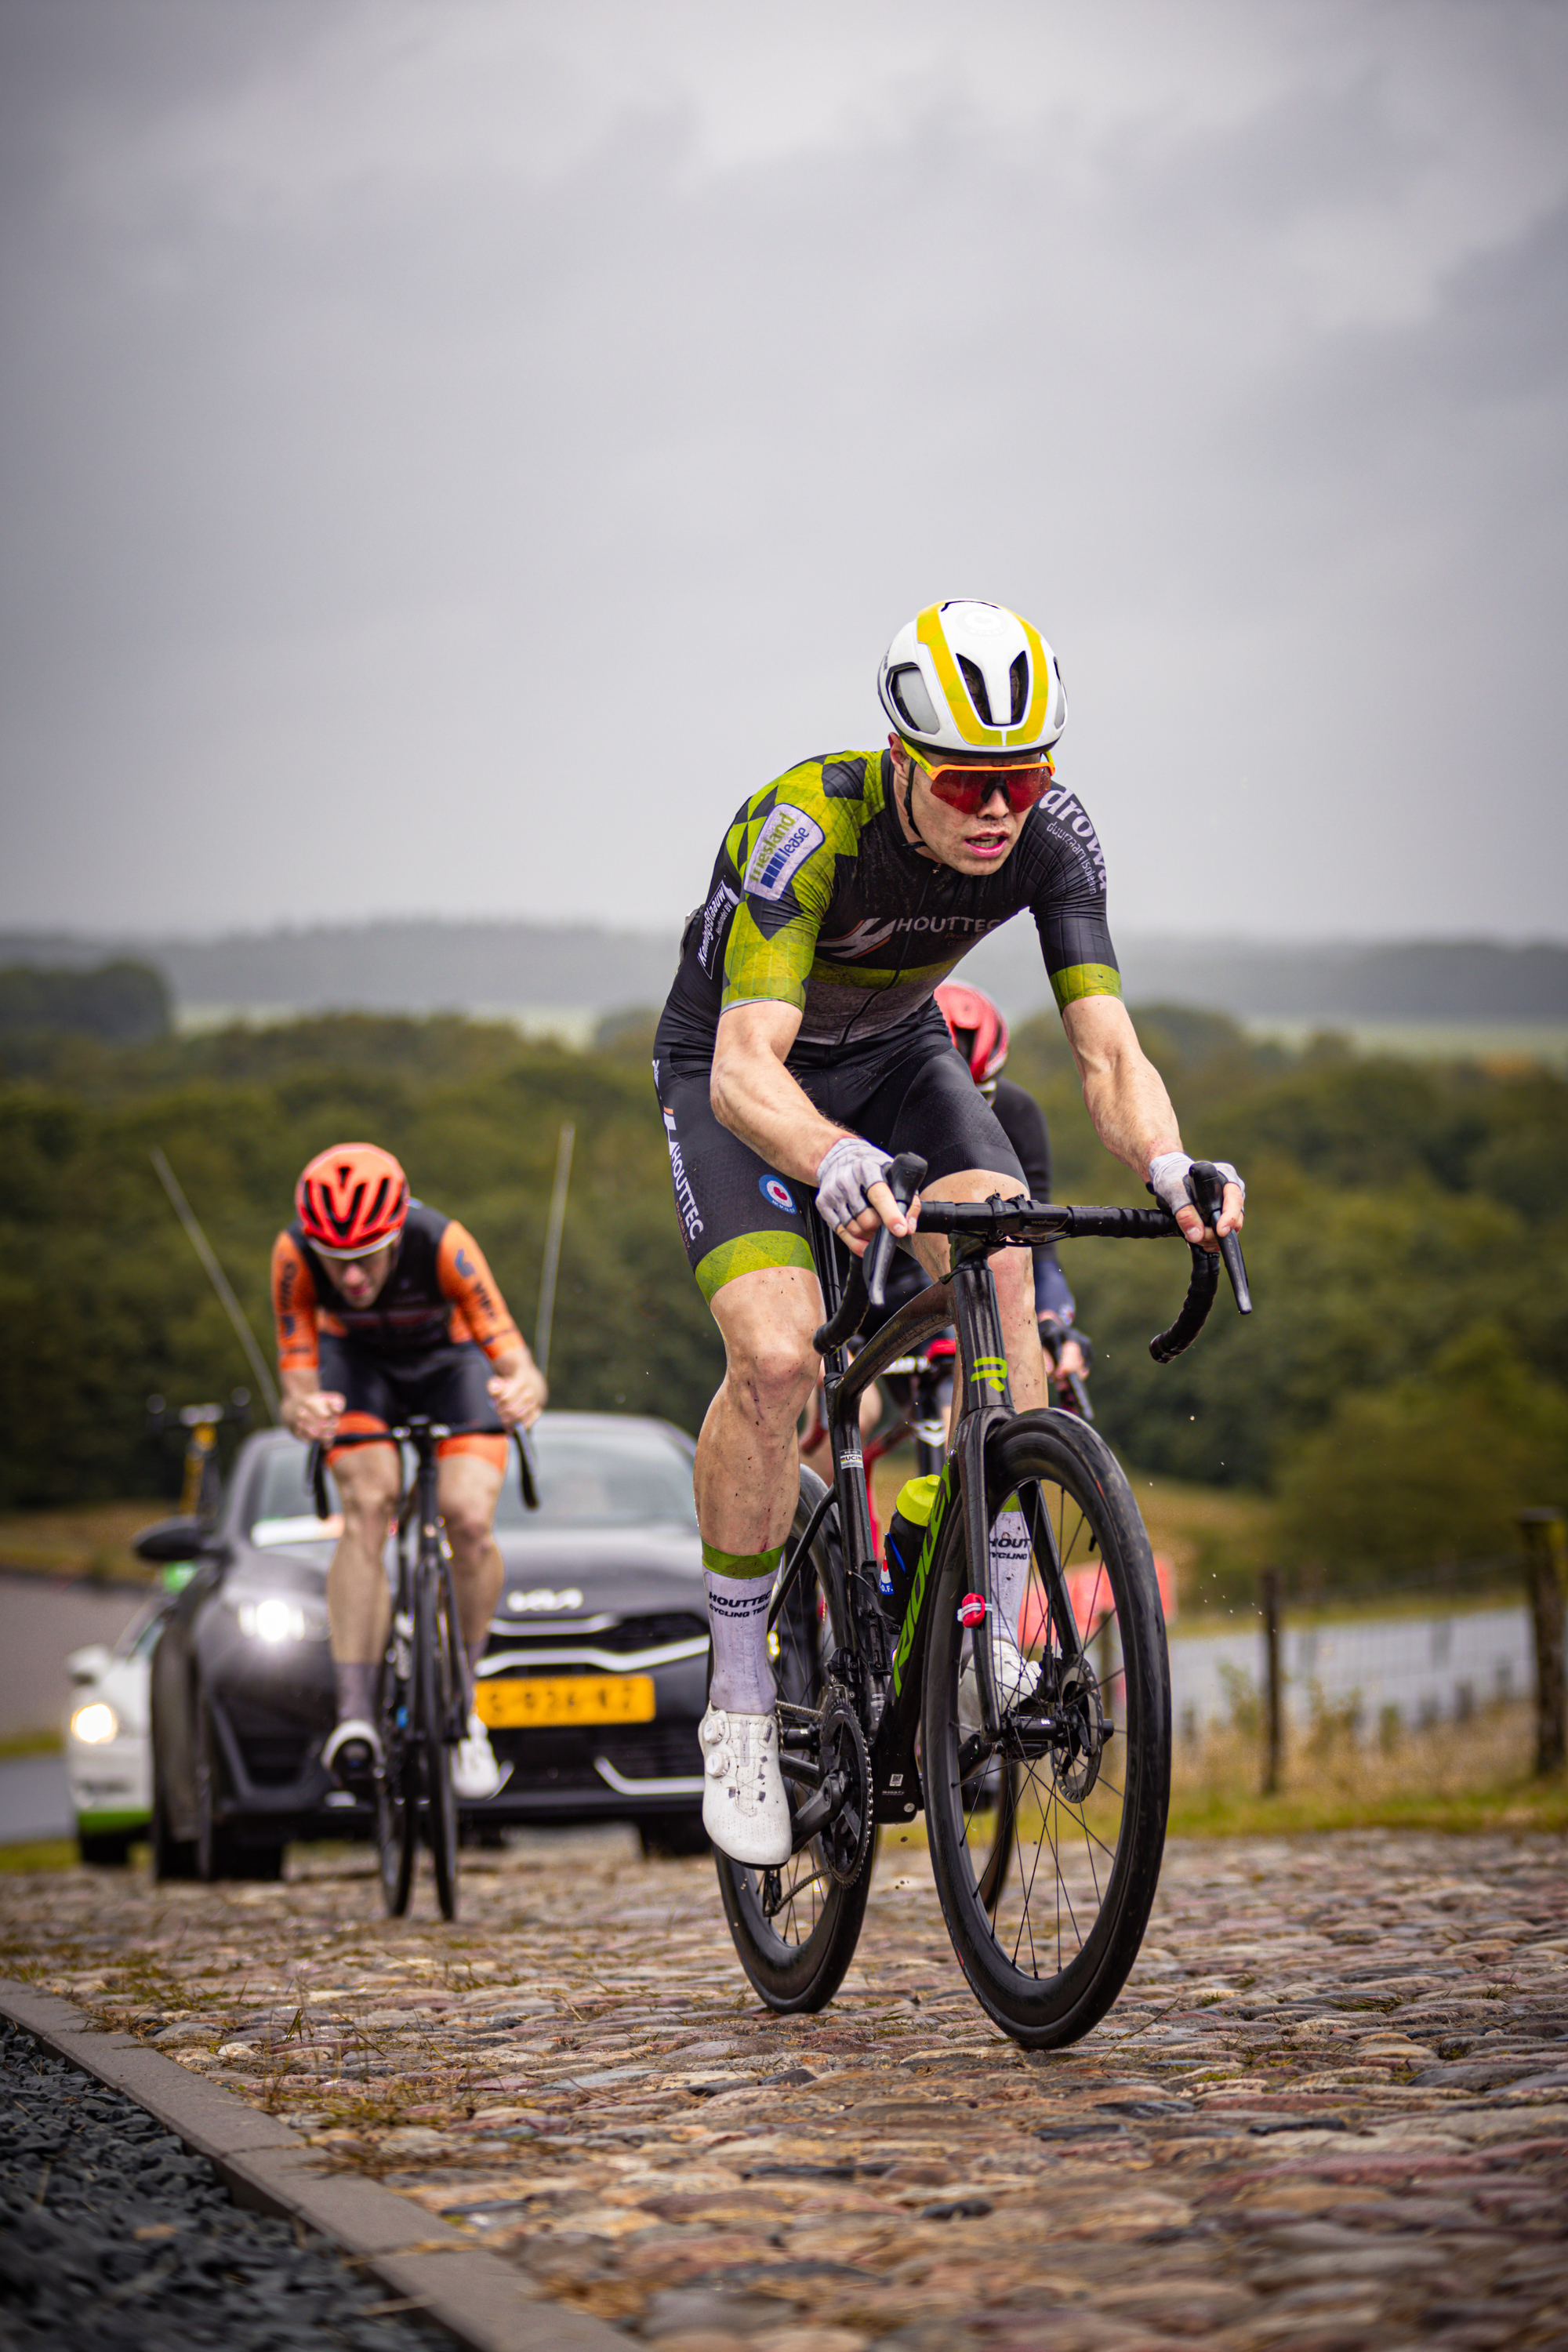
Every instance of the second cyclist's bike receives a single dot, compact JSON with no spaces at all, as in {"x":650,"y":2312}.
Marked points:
{"x":1044,"y":1805}
{"x":423,"y":1707}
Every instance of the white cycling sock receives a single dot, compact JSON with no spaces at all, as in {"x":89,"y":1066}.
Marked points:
{"x":1009,"y":1566}
{"x":738,"y":1614}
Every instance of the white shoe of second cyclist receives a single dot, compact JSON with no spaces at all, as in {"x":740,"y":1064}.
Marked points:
{"x":352,"y":1754}
{"x":744,"y":1809}
{"x":476,"y":1774}
{"x":1016,"y":1677}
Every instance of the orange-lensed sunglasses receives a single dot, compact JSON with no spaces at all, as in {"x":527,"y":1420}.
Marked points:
{"x":967,"y":790}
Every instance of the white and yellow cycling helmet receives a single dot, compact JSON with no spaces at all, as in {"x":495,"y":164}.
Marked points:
{"x":973,"y":679}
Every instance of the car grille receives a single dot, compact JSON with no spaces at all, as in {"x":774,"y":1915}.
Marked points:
{"x":275,"y":1747}
{"x":629,"y":1635}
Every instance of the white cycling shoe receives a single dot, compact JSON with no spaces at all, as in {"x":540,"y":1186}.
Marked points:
{"x":1017,"y":1679}
{"x":352,"y":1754}
{"x":744,"y":1809}
{"x":476,"y":1774}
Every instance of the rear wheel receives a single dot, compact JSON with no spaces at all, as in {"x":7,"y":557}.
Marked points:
{"x":1047,"y":1914}
{"x":438,"y":1692}
{"x":796,"y":1928}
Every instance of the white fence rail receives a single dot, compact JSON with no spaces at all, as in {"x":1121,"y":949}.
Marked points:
{"x":1429,"y":1669}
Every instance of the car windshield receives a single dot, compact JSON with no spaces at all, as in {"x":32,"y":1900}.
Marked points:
{"x":609,"y":1473}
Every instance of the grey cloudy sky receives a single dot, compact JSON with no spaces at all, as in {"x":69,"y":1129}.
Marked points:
{"x":452,"y":450}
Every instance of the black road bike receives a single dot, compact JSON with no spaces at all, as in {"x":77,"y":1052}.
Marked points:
{"x":424,"y":1696}
{"x":1044,"y":1816}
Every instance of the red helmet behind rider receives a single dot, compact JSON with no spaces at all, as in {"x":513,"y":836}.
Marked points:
{"x":352,"y":1199}
{"x":976,"y":1028}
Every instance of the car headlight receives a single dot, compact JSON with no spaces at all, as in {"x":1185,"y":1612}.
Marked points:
{"x":274,"y":1618}
{"x":94,"y":1723}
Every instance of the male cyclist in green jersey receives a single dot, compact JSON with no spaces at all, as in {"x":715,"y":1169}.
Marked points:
{"x":800,"y":1049}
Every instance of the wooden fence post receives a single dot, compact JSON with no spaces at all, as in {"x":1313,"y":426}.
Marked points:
{"x":1273,"y":1729}
{"x":1543,"y":1554}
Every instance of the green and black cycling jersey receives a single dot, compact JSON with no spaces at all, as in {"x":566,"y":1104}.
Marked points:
{"x":818,"y":900}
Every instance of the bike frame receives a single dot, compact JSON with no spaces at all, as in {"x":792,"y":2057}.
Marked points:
{"x":889,"y":1677}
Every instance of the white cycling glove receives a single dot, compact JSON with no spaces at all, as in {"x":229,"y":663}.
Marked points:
{"x":849,"y":1169}
{"x":1168,"y":1179}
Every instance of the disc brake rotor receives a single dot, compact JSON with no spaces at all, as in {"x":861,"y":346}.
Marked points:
{"x":1081,"y":1742}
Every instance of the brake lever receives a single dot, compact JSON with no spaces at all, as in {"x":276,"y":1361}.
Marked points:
{"x":1207,"y":1187}
{"x":316,"y":1471}
{"x":903,"y":1179}
{"x":527,"y":1467}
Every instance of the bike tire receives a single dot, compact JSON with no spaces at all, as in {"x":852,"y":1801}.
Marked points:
{"x":396,"y":1795}
{"x":795,"y":1929}
{"x":436,"y":1681}
{"x":1048,"y":1948}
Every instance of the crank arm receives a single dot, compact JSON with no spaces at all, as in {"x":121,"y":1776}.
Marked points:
{"x":818,"y":1811}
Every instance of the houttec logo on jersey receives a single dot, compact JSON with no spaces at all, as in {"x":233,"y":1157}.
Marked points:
{"x":870,"y":935}
{"x":939,"y":1502}
{"x":786,"y":840}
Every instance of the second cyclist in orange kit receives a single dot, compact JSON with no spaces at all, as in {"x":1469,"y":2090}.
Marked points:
{"x":385,"y":1308}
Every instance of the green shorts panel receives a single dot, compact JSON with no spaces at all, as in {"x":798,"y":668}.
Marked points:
{"x":746,"y":1255}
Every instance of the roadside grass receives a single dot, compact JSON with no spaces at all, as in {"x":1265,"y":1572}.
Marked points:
{"x":48,"y":1853}
{"x":1217,"y":1539}
{"x":1474,"y":1775}
{"x":82,"y":1539}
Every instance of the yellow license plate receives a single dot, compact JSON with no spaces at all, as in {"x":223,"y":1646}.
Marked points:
{"x":546,"y":1701}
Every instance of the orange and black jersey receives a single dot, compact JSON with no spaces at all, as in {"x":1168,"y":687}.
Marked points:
{"x":439,"y":1291}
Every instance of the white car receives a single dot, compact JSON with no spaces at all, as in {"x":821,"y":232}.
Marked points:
{"x":108,"y":1751}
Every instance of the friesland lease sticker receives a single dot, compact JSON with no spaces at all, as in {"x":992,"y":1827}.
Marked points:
{"x":783,"y":845}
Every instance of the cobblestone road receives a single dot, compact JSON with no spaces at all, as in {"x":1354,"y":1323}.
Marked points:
{"x":1331,"y":2111}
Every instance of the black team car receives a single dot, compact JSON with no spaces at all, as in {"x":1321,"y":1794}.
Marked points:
{"x":593,"y":1683}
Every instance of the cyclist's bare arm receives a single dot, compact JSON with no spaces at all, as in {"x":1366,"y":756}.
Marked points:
{"x":1125,"y":1097}
{"x":517,"y":1387}
{"x":309,"y":1411}
{"x":755,"y":1097}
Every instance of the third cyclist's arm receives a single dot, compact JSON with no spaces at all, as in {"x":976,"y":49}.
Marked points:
{"x":1126,"y":1098}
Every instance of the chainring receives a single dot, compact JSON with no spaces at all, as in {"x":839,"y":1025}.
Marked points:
{"x":846,"y":1841}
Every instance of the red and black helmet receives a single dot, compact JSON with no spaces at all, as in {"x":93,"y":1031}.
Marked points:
{"x":976,"y":1028}
{"x":351,"y":1199}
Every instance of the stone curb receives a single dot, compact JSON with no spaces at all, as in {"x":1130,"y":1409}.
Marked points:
{"x":485,"y":2302}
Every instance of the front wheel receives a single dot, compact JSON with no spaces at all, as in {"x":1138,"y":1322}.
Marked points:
{"x":796,"y":1928}
{"x":1047,"y":1939}
{"x":438,"y":1688}
{"x":396,"y":1784}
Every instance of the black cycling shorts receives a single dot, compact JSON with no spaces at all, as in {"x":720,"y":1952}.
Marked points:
{"x":449,"y":1382}
{"x":907,"y":1091}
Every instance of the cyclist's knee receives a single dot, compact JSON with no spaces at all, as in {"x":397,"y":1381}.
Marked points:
{"x":369,"y":1492}
{"x":774,"y":1374}
{"x":468,"y":1525}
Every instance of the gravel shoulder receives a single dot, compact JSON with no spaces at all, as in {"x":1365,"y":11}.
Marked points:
{"x":1330,"y":2110}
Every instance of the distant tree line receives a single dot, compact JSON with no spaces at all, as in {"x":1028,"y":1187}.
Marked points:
{"x":1401,"y":1390}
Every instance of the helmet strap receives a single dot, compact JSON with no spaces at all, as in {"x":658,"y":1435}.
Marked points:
{"x":910,"y":811}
